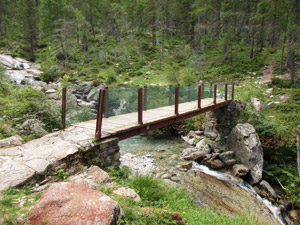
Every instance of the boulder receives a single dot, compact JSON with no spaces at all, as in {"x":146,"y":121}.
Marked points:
{"x":11,"y":141}
{"x":98,"y":175}
{"x":51,"y":94}
{"x":93,"y":95}
{"x":128,"y":193}
{"x":257,"y":104}
{"x":226,"y":156}
{"x":239,"y":170}
{"x":198,"y":153}
{"x":244,"y":142}
{"x":216,"y":147}
{"x":70,"y":203}
{"x":32,"y":126}
{"x":215,"y":164}
{"x":265,"y":189}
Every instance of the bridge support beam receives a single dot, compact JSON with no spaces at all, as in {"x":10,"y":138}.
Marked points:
{"x":232,"y":97}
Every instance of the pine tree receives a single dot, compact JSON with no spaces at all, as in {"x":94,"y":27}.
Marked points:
{"x":28,"y":19}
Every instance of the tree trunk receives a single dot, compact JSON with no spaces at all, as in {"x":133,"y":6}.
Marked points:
{"x":261,"y":35}
{"x":162,"y":43}
{"x":91,"y":18}
{"x":193,"y":34}
{"x":252,"y":43}
{"x":282,"y":54}
{"x":77,"y":34}
{"x":153,"y":29}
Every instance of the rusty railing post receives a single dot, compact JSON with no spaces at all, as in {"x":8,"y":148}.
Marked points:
{"x":106,"y":102}
{"x":145,"y":97}
{"x":226,"y":90}
{"x":232,"y":97}
{"x":140,"y":106}
{"x":199,"y":96}
{"x":176,"y":100}
{"x":203,"y":88}
{"x":63,"y":107}
{"x":210,"y":93}
{"x":170,"y":94}
{"x":215,"y":94}
{"x":189,"y":93}
{"x":99,"y":114}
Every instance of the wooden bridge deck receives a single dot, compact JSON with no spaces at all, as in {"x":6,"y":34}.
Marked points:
{"x":126,"y":125}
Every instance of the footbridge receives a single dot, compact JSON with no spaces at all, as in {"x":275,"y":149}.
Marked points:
{"x":126,"y":112}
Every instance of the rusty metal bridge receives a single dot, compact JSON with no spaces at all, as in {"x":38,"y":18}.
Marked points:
{"x":126,"y":112}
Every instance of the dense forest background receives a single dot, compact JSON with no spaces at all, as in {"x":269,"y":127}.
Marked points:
{"x":161,"y":42}
{"x":181,"y":40}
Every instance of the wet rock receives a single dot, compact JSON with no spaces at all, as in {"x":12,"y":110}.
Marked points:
{"x":69,"y":203}
{"x":11,"y":141}
{"x":32,"y":126}
{"x":186,"y":165}
{"x":128,"y":193}
{"x":239,"y":170}
{"x":160,"y":150}
{"x":91,"y":105}
{"x":226,"y":197}
{"x":244,"y":142}
{"x":172,"y":183}
{"x":98,"y":175}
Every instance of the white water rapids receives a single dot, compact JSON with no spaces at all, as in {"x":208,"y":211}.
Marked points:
{"x":232,"y":180}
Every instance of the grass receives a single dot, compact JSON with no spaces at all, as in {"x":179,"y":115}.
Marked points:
{"x":163,"y":201}
{"x":10,"y":207}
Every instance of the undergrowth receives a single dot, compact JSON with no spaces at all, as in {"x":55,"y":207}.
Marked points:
{"x":163,"y":201}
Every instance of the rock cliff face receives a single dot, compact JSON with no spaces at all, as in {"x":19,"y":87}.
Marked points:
{"x":244,"y":142}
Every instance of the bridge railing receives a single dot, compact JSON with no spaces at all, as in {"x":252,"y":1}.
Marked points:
{"x":113,"y":101}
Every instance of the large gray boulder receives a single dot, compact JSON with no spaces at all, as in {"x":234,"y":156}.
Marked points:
{"x":244,"y":142}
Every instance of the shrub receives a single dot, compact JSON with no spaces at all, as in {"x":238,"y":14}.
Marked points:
{"x":282,"y":83}
{"x":51,"y":74}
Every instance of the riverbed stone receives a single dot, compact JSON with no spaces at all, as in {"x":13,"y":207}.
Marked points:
{"x":215,"y":164}
{"x":98,"y":175}
{"x":128,"y":193}
{"x":239,"y":170}
{"x":226,"y":156}
{"x":70,"y":203}
{"x":244,"y":142}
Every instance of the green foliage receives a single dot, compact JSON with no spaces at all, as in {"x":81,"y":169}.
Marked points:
{"x":19,"y":104}
{"x":52,"y":73}
{"x":61,"y":174}
{"x":282,"y":83}
{"x":9,"y":208}
{"x":162,"y":199}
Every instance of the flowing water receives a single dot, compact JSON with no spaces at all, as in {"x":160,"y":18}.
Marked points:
{"x":165,"y":154}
